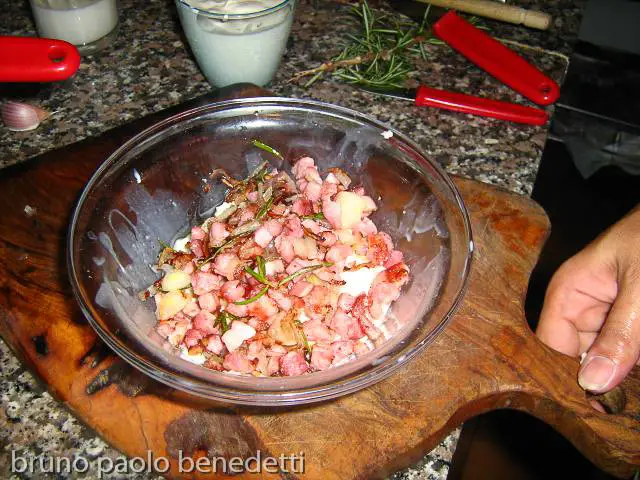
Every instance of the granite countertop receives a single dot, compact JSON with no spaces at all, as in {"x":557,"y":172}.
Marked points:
{"x":149,"y":68}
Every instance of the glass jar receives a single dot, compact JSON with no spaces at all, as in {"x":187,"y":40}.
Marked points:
{"x":90,"y":25}
{"x":236,"y":41}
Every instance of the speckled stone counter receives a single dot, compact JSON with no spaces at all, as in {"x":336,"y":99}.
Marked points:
{"x":149,"y":69}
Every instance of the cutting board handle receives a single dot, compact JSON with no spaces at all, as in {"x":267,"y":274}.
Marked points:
{"x":550,"y":392}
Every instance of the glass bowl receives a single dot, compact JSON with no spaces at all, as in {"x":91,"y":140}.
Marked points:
{"x":155,"y":187}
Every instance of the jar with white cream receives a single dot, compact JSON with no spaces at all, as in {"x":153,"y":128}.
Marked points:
{"x":90,"y":25}
{"x":237,"y":40}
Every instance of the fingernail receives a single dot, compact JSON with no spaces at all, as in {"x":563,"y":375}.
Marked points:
{"x":596,"y":373}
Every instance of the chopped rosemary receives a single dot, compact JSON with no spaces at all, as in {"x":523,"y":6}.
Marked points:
{"x":228,"y":243}
{"x":232,"y":316}
{"x":223,"y":320}
{"x":262,"y":173}
{"x":267,"y":148}
{"x":265,"y":208}
{"x":254,"y":298}
{"x":215,"y":358}
{"x":302,"y":271}
{"x":260,"y":276}
{"x":314,"y":216}
{"x":305,"y":342}
{"x":261,"y":266}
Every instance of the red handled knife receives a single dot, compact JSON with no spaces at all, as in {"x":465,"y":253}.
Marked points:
{"x":424,"y":96}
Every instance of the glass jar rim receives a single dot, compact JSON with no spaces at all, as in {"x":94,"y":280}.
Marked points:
{"x":234,"y":16}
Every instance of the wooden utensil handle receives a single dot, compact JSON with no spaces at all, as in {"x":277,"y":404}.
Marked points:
{"x":497,"y":11}
{"x":610,"y":440}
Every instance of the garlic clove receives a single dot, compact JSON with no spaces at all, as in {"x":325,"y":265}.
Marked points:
{"x":21,"y":117}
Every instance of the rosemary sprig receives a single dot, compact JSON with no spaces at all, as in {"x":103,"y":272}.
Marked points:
{"x":267,"y":148}
{"x":382,"y":55}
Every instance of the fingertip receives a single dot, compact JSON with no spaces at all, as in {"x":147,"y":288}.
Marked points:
{"x":598,"y":374}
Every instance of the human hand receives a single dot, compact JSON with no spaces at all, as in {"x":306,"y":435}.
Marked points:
{"x":592,"y":306}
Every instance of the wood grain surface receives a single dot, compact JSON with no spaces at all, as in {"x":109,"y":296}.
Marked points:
{"x":485,"y":359}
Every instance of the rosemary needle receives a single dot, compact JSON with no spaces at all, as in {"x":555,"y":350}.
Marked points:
{"x":265,"y":208}
{"x":267,"y":285}
{"x":254,"y":298}
{"x":267,"y":148}
{"x":314,"y":216}
{"x":302,"y":271}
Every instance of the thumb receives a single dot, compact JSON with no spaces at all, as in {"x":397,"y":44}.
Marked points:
{"x":617,"y":348}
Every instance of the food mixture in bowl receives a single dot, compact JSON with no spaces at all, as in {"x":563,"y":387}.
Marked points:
{"x":290,"y":276}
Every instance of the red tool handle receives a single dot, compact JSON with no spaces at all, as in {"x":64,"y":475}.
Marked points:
{"x":498,"y":60}
{"x":30,"y":59}
{"x":459,"y":102}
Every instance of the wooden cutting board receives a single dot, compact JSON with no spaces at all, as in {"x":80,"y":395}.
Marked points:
{"x":485,"y":359}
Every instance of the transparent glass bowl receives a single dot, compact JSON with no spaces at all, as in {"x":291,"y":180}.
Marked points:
{"x":155,"y":187}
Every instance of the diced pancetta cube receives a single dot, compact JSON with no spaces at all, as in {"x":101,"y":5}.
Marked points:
{"x":274,"y":266}
{"x":346,"y":325}
{"x":237,"y":362}
{"x":205,"y":322}
{"x":301,"y":289}
{"x":192,"y":337}
{"x":293,"y":363}
{"x":214,"y":344}
{"x":217,"y":234}
{"x":321,"y":357}
{"x":226,"y":264}
{"x":232,"y":291}
{"x":208,"y":302}
{"x":316,"y":331}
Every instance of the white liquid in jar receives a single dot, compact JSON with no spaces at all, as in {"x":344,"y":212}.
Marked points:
{"x":231,"y":50}
{"x":61,"y":19}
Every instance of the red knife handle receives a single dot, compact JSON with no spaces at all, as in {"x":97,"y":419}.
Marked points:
{"x":459,"y":102}
{"x":498,"y":60}
{"x":31,"y":59}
